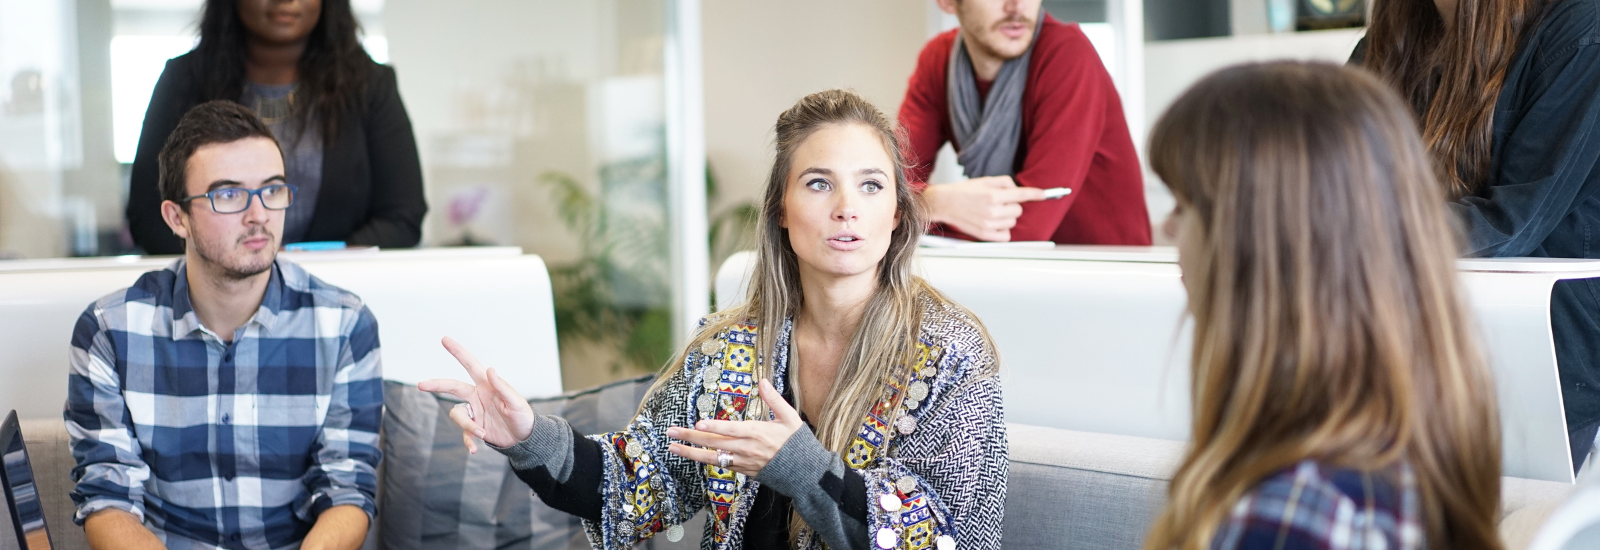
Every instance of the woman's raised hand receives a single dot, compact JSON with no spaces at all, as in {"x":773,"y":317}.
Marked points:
{"x":498,"y":414}
{"x":750,"y":444}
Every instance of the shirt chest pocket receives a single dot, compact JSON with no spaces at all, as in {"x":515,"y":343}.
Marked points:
{"x":283,"y":433}
{"x":288,"y":405}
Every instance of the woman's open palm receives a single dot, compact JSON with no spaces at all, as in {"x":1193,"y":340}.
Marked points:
{"x":499,"y":415}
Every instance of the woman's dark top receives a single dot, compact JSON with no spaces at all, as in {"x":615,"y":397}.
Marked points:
{"x":371,"y":192}
{"x":1541,"y":197}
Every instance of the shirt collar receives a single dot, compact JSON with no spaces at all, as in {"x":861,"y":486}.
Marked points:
{"x":184,"y":320}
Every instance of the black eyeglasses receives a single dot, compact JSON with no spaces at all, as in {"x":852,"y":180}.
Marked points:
{"x":233,"y":200}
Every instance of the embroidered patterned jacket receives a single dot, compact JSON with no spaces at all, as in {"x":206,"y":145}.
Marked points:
{"x":933,"y":465}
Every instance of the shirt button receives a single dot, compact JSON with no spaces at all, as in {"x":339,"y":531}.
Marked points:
{"x":228,"y":477}
{"x":234,"y":537}
{"x":227,"y":418}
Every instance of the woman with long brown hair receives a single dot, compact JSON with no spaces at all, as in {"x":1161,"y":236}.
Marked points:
{"x":1507,"y":94}
{"x":845,"y":403}
{"x":1339,"y":400}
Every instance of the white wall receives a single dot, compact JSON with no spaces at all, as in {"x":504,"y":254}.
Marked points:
{"x":761,"y":57}
{"x":1172,"y":66}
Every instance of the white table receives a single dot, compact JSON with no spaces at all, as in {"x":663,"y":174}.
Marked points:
{"x":1095,"y":339}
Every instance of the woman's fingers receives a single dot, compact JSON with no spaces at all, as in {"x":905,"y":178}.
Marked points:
{"x":703,"y":456}
{"x":734,"y":429}
{"x":472,"y":446}
{"x":465,"y":422}
{"x":467,"y":360}
{"x":781,"y":410}
{"x":457,"y":388}
{"x":703,"y":439}
{"x":503,"y":389}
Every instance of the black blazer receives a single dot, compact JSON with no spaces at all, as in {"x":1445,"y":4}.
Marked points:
{"x":371,"y":178}
{"x":1542,"y":196}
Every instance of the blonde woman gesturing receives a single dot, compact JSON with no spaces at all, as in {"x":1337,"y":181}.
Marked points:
{"x":846,"y":403}
{"x":1339,"y":398}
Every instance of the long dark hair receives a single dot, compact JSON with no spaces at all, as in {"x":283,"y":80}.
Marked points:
{"x":1450,"y":76}
{"x":1328,"y":321}
{"x":333,"y":70}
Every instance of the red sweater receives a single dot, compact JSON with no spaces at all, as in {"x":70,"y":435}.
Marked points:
{"x":1073,"y":135}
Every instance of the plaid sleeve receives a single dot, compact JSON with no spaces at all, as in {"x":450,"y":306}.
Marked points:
{"x":110,"y":471}
{"x":346,"y":453}
{"x":1309,"y":507}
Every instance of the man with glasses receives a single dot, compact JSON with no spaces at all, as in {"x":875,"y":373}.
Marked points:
{"x":230,"y":400}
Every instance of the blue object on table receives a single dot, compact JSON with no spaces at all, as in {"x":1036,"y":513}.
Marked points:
{"x":314,"y":246}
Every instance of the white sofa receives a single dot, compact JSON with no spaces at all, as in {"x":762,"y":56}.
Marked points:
{"x":1069,"y":488}
{"x":1093,"y":339}
{"x":497,"y":301}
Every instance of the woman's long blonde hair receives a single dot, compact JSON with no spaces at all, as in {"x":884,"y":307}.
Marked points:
{"x":1328,"y":322}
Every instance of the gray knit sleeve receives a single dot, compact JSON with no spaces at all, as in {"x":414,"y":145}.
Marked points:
{"x":815,"y":480}
{"x":946,"y":478}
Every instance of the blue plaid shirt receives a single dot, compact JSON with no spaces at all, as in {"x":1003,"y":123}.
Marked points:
{"x":1310,"y":506}
{"x":218,"y":445}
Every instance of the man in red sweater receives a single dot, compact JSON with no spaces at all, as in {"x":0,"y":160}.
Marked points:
{"x":1029,"y":106}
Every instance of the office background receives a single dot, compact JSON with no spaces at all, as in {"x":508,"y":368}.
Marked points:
{"x":576,"y":130}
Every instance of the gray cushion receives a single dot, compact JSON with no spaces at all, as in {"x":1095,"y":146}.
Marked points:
{"x":1072,"y":489}
{"x":435,"y":495}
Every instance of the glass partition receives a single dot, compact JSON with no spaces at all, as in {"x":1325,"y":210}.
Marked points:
{"x":543,"y":124}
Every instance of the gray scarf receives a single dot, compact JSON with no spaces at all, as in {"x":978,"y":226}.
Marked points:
{"x":988,"y":133}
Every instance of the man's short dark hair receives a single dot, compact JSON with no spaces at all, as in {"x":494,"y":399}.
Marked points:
{"x":207,"y":123}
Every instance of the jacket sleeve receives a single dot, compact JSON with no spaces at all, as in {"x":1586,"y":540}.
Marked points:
{"x":110,"y":469}
{"x":168,"y":102}
{"x":922,"y":115}
{"x":624,"y":498}
{"x":954,"y":463}
{"x":394,"y":219}
{"x":1544,"y":166}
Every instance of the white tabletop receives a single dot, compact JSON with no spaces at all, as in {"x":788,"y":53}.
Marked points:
{"x":1562,"y":268}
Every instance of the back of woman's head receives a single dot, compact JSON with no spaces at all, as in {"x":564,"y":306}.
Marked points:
{"x":1327,"y":318}
{"x":332,"y":71}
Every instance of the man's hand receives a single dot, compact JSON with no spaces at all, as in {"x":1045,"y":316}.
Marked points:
{"x":116,"y":529}
{"x":750,"y":444}
{"x":985,"y":208}
{"x":342,"y":527}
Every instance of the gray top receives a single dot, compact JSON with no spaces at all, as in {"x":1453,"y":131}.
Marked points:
{"x":302,"y":151}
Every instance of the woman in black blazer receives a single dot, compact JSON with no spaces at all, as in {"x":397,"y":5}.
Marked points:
{"x":1508,"y":96}
{"x":346,"y":139}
